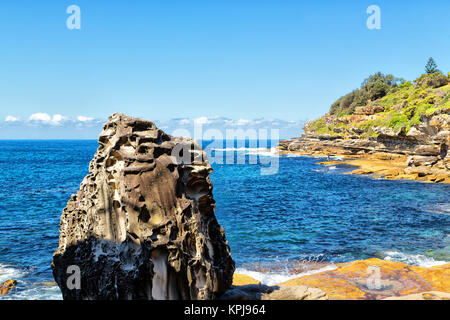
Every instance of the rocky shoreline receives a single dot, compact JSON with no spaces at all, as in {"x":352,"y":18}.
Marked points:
{"x":353,"y":280}
{"x":371,"y":279}
{"x":142,"y":225}
{"x":420,"y":155}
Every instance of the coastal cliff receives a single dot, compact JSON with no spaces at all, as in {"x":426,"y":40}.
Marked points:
{"x":403,"y":130}
{"x":142,"y":225}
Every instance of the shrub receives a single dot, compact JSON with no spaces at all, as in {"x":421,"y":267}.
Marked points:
{"x":434,"y":80}
{"x":347,"y":104}
{"x":374,"y":87}
{"x":397,"y":121}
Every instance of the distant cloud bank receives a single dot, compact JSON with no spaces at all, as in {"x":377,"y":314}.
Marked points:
{"x":42,"y":125}
{"x":11,"y":119}
{"x":286,"y":128}
{"x":45,"y":119}
{"x":46,"y":126}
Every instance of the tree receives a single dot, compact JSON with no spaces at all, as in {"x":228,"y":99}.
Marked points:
{"x":378,"y":85}
{"x":374,"y":87}
{"x":431,"y":66}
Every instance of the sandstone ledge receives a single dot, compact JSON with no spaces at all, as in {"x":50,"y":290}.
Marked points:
{"x":394,"y":169}
{"x":383,"y":166}
{"x":350,"y":282}
{"x":277,"y":292}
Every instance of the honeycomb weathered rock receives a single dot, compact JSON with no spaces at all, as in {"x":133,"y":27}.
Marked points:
{"x":142,"y":225}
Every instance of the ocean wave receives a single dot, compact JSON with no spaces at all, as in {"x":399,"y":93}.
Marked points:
{"x":272,"y":152}
{"x":413,"y":259}
{"x":264,"y":152}
{"x":443,"y":208}
{"x":294,"y":155}
{"x":9,"y":272}
{"x":272,"y":278}
{"x":26,"y":290}
{"x":37,"y":291}
{"x":239,"y":149}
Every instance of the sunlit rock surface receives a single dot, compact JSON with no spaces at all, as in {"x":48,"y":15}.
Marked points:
{"x":377,"y":279}
{"x":7,"y":286}
{"x":277,"y":292}
{"x":370,"y":279}
{"x":142,"y":225}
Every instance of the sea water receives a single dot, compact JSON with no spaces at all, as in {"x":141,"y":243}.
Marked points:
{"x":306,"y":214}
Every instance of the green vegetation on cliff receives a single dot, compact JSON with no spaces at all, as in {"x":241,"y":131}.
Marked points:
{"x":374,"y":87}
{"x":384,"y":101}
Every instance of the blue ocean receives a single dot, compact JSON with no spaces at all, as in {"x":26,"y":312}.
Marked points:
{"x":304,"y":214}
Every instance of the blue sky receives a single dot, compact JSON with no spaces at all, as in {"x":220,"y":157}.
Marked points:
{"x":245,"y":59}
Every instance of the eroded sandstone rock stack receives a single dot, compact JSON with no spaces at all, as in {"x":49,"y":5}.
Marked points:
{"x":142,"y":225}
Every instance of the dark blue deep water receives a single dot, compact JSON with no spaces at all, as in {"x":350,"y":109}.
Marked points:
{"x":305,"y":212}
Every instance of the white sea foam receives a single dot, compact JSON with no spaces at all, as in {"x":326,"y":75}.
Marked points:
{"x":332,"y":168}
{"x":272,"y":278}
{"x":8,"y":272}
{"x":242,"y":149}
{"x":26,"y":290}
{"x":35,"y":292}
{"x":413,"y":259}
{"x":272,"y":152}
{"x":265,"y":152}
{"x":294,"y":155}
{"x":443,"y":208}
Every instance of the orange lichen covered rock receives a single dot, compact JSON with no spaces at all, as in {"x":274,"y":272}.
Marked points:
{"x":6,"y":286}
{"x":431,"y":295}
{"x":376,"y":279}
{"x":242,"y":280}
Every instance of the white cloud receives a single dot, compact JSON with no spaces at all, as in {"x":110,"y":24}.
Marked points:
{"x":40,"y":117}
{"x":242,"y":122}
{"x":182,"y":121}
{"x":288,"y":128}
{"x":186,"y":126}
{"x":84,"y":119}
{"x":57,"y":119}
{"x":11,"y":119}
{"x":45,"y":118}
{"x":202,"y":120}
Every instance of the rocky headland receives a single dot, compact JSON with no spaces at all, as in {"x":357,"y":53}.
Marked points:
{"x":401,"y":131}
{"x":142,"y":225}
